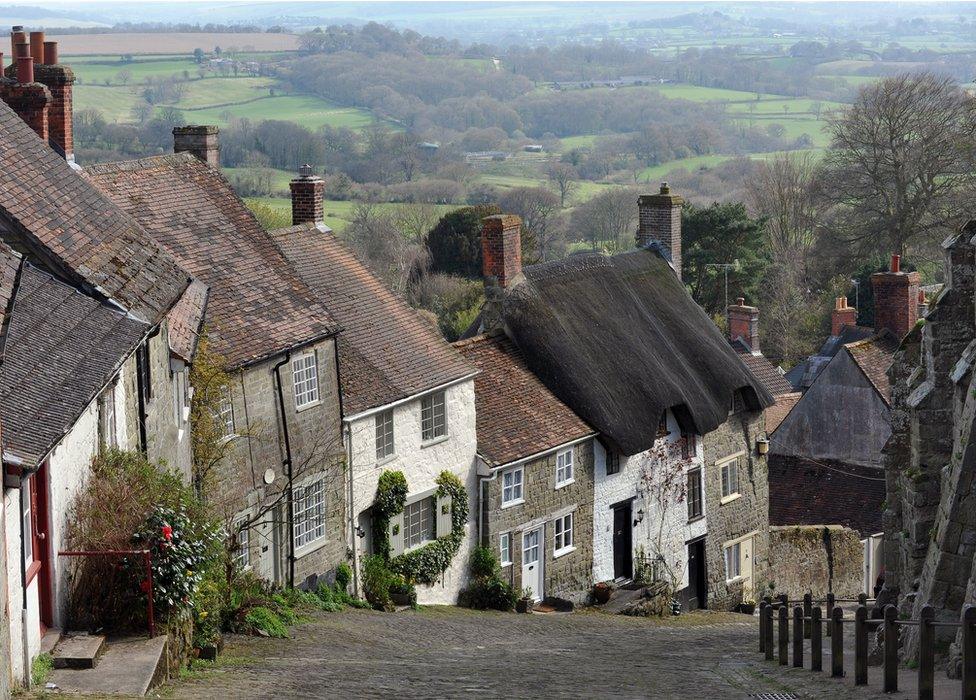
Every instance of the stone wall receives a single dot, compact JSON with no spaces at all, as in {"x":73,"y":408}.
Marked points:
{"x":819,"y":559}
{"x":570,"y":575}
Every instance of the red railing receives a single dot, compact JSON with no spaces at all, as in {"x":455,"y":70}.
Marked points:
{"x":146,"y":558}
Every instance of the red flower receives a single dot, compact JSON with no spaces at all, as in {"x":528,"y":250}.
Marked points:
{"x":145,"y":585}
{"x":167,"y":533}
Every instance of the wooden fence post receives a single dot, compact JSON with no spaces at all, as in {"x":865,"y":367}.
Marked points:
{"x":768,"y":631}
{"x":798,"y":637}
{"x":861,"y":645}
{"x":968,"y":652}
{"x":926,"y":653}
{"x":762,"y":626}
{"x":862,"y":598}
{"x":830,"y":612}
{"x":890,"y":649}
{"x":816,"y":640}
{"x":807,"y":610}
{"x":784,"y":634}
{"x":837,"y":643}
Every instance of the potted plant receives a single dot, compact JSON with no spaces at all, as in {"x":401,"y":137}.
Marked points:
{"x":601,"y":592}
{"x":403,"y":593}
{"x":525,"y":601}
{"x":748,"y":607}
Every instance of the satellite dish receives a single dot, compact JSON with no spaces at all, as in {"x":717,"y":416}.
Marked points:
{"x":269,"y":476}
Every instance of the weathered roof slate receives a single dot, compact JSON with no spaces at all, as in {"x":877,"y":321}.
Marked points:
{"x":10,"y":262}
{"x":517,"y":416}
{"x":62,"y":348}
{"x":874,"y":356}
{"x":387,"y":351}
{"x":186,"y":320}
{"x":69,"y":223}
{"x":764,"y":370}
{"x":258,"y":307}
{"x":778,"y":412}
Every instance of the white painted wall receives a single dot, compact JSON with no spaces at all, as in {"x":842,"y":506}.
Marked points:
{"x":421,"y":465}
{"x":15,"y":596}
{"x":627,"y":483}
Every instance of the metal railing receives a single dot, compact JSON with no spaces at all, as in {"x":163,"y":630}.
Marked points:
{"x":808,"y":623}
{"x":146,"y":556}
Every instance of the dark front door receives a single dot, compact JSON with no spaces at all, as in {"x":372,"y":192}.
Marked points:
{"x":697,"y":581}
{"x":37,"y":552}
{"x":623,"y":545}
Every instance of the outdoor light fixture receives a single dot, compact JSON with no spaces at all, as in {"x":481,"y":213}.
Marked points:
{"x":762,"y":445}
{"x":640,"y":516}
{"x":360,"y":532}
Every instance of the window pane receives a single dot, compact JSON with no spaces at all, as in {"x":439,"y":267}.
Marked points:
{"x":384,"y":435}
{"x":504,"y":545}
{"x":226,"y":412}
{"x":27,"y":524}
{"x":306,"y":380}
{"x":433,"y":419}
{"x":309,"y":510}
{"x":418,"y":522}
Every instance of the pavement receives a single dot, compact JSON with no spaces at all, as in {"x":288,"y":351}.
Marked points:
{"x":444,"y":652}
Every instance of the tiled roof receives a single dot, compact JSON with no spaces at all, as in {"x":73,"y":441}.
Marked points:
{"x":387,"y":351}
{"x":764,"y":370}
{"x":10,"y":261}
{"x":71,"y":224}
{"x":805,"y":373}
{"x":258,"y":307}
{"x":802,"y":492}
{"x":62,"y":348}
{"x":185,"y":320}
{"x":777,"y":413}
{"x":517,"y":416}
{"x":874,"y":356}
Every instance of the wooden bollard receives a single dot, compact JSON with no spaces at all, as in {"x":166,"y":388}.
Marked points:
{"x":861,"y":645}
{"x":768,"y":631}
{"x":862,"y":598}
{"x":762,"y":626}
{"x":926,"y":653}
{"x":798,"y":637}
{"x":968,"y":652}
{"x":783,"y":599}
{"x":837,"y":643}
{"x":890,"y":649}
{"x":807,"y":609}
{"x":784,"y":634}
{"x":816,"y":640}
{"x":830,"y":612}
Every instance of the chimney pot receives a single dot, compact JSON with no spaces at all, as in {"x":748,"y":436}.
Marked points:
{"x":659,"y":221}
{"x":307,"y":191}
{"x":17,"y":36}
{"x":21,"y":49}
{"x":896,"y":263}
{"x":25,"y":69}
{"x":665,"y":188}
{"x":305,"y":170}
{"x":50,"y":53}
{"x":744,"y":323}
{"x":37,"y":47}
{"x":200,"y":141}
{"x":842,"y":315}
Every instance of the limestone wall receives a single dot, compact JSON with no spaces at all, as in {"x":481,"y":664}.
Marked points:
{"x":817,"y":559}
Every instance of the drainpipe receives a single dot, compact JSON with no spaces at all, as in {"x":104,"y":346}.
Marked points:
{"x":482,"y":485}
{"x":354,"y":545}
{"x":289,"y":466}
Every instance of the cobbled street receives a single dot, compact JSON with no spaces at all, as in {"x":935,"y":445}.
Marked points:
{"x":453,"y":652}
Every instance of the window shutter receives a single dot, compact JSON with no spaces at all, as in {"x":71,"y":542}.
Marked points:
{"x":444,"y":520}
{"x":396,"y":535}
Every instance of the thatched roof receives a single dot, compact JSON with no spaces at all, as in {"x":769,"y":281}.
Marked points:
{"x":620,"y":340}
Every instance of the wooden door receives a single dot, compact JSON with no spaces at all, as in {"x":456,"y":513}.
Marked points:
{"x":623,"y":542}
{"x":697,"y":580}
{"x":532,"y":562}
{"x":39,"y":556}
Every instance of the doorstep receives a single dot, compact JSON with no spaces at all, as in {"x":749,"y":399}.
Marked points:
{"x":78,"y":650}
{"x":129,"y":666}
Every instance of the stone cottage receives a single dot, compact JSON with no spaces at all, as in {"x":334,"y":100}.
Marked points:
{"x":536,"y":460}
{"x":407,"y":396}
{"x":620,"y":341}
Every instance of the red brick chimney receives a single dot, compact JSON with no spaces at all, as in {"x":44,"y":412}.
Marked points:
{"x":659,"y":219}
{"x":27,"y":98}
{"x":744,"y":324}
{"x":501,"y":262}
{"x":306,"y":197}
{"x":896,"y":299}
{"x":842,"y":315}
{"x":201,"y":141}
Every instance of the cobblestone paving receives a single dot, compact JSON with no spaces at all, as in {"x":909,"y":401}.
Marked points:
{"x":450,"y":652}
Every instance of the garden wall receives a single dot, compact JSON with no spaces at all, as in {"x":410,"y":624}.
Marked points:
{"x":815,"y":558}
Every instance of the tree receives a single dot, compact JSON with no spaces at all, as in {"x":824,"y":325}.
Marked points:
{"x":198,"y":55}
{"x":124,"y":76}
{"x":539,"y":209}
{"x":609,"y":220}
{"x":455,"y":241}
{"x":565,"y":178}
{"x":900,"y":167}
{"x":375,"y":235}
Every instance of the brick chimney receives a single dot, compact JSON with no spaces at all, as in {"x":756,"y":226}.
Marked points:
{"x":501,"y":262}
{"x":306,"y":197}
{"x":29,"y":99}
{"x":842,"y":315}
{"x":896,"y":299}
{"x":659,"y":219}
{"x":744,"y":324}
{"x":201,"y":141}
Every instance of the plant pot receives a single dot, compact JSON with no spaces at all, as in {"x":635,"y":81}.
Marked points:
{"x":601,"y":593}
{"x":402,"y":599}
{"x":208,"y":652}
{"x":747,"y":608}
{"x":523,"y":605}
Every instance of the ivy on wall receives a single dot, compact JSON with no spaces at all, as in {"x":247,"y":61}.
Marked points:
{"x":424,"y":564}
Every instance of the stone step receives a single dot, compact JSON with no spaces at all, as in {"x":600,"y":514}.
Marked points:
{"x":129,"y":666}
{"x":50,"y":640}
{"x":78,"y":650}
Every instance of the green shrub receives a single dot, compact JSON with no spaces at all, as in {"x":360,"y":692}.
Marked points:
{"x":262,"y":619}
{"x":487,"y":590}
{"x":483,"y":563}
{"x":41,"y":667}
{"x":343,"y":576}
{"x":377,"y":580}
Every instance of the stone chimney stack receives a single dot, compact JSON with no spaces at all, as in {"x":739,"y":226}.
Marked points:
{"x":29,"y":99}
{"x":307,"y":191}
{"x":744,"y":324}
{"x":842,"y":315}
{"x":659,"y":219}
{"x":896,"y":299}
{"x":501,"y":263}
{"x":201,"y":141}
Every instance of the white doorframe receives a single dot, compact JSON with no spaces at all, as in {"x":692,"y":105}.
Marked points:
{"x":533,"y":542}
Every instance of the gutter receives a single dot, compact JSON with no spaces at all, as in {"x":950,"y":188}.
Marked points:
{"x":495,"y":468}
{"x":411,"y":397}
{"x":289,"y":465}
{"x":482,"y":487}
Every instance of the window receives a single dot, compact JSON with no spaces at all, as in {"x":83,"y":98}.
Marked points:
{"x":505,"y":549}
{"x":106,"y":419}
{"x":181,"y":397}
{"x":613,"y":462}
{"x":512,"y":487}
{"x":736,"y":404}
{"x":564,"y":534}
{"x":419,"y":522}
{"x":384,"y":435}
{"x":226,"y":412}
{"x":689,"y":446}
{"x":242,"y":556}
{"x":305,"y":375}
{"x":732,"y":561}
{"x":143,"y":371}
{"x":564,"y":468}
{"x":433,"y":420}
{"x":309,"y":513}
{"x":694,"y":494}
{"x":730,"y":478}
{"x":662,"y":424}
{"x":27,"y":520}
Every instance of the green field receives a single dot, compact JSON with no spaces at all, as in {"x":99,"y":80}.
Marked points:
{"x":339,"y":214}
{"x":311,"y":112}
{"x":98,"y":72}
{"x":217,"y":91}
{"x":696,"y":93}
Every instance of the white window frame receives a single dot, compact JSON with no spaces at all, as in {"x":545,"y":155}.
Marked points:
{"x":107,"y":426}
{"x":434,"y":404}
{"x":428,"y":534}
{"x":729,"y":467}
{"x":309,"y":516}
{"x":225,"y":412}
{"x":305,"y":380}
{"x":516,"y":486}
{"x":27,"y":521}
{"x":563,"y":535}
{"x":385,"y":435}
{"x":565,"y":468}
{"x":242,"y":557}
{"x":505,"y":549}
{"x":733,"y":556}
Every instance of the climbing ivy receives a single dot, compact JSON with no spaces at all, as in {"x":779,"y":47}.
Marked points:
{"x":391,"y":495}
